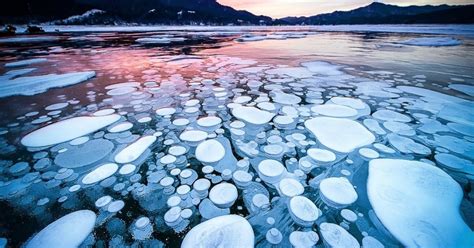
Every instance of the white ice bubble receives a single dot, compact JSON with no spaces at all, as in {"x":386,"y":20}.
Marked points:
{"x":223,"y":195}
{"x":321,"y":155}
{"x":252,"y":115}
{"x":68,"y":231}
{"x":336,"y":236}
{"x":290,"y":187}
{"x":100,"y":173}
{"x":66,"y":130}
{"x":337,"y":192}
{"x":32,"y":85}
{"x":121,"y":127}
{"x":301,"y":239}
{"x":134,"y":150}
{"x":333,"y":110}
{"x":389,"y":115}
{"x":193,"y":136}
{"x":303,"y":211}
{"x":418,"y":203}
{"x":210,"y":151}
{"x":230,"y":231}
{"x":271,"y":171}
{"x":341,"y":135}
{"x":165,"y":111}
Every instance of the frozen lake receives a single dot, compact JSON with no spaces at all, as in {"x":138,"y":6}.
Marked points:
{"x":336,"y":136}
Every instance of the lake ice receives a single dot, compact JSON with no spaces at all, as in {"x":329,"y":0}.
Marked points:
{"x":238,"y":137}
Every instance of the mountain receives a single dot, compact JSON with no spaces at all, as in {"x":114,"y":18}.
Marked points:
{"x":379,"y":13}
{"x":129,"y":11}
{"x":176,"y":12}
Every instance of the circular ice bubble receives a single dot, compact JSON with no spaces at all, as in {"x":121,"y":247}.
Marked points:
{"x":202,"y":185}
{"x":173,"y":201}
{"x":183,"y":190}
{"x":68,"y":231}
{"x":172,"y":215}
{"x":321,"y":155}
{"x":242,"y":178}
{"x":349,"y":102}
{"x":127,"y":169}
{"x":389,"y":115}
{"x":56,"y":106}
{"x":368,"y":153}
{"x":290,"y":187}
{"x":301,"y":239}
{"x":252,"y":115}
{"x":369,"y":241}
{"x":268,"y":106}
{"x":242,"y":99}
{"x":79,"y":141}
{"x":209,"y":121}
{"x":67,"y":130}
{"x":274,"y":236}
{"x":452,"y":162}
{"x":19,"y":168}
{"x":210,"y":151}
{"x":142,"y":222}
{"x":270,"y":170}
{"x":144,"y":119}
{"x":104,"y":112}
{"x":337,"y":192}
{"x":223,"y":195}
{"x":186,"y":213}
{"x":341,"y":135}
{"x":207,"y":169}
{"x":121,"y":127}
{"x":181,"y":122}
{"x":335,"y":236}
{"x":260,"y":200}
{"x":103,"y":201}
{"x":284,"y":121}
{"x":177,"y":150}
{"x":168,"y":159}
{"x":121,"y":91}
{"x":115,"y":206}
{"x":86,"y":154}
{"x":193,"y":136}
{"x":333,"y":110}
{"x":167,"y":181}
{"x":100,"y":173}
{"x":349,"y":215}
{"x":165,"y":111}
{"x":273,"y":149}
{"x":303,"y":211}
{"x":230,"y":231}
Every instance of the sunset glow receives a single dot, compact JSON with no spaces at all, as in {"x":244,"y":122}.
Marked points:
{"x":283,"y":8}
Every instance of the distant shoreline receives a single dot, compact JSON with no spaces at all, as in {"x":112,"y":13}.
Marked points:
{"x":445,"y":29}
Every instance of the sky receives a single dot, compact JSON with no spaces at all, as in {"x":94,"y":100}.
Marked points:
{"x":283,"y":8}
